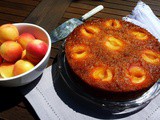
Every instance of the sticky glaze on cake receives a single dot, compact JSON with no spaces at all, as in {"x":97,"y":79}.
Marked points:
{"x":114,"y":55}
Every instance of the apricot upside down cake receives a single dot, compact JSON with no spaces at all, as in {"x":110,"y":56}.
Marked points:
{"x":114,"y":55}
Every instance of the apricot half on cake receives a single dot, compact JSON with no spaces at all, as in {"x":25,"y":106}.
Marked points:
{"x":79,"y":51}
{"x":151,"y":57}
{"x":136,"y":74}
{"x":113,"y":43}
{"x":113,"y":24}
{"x":102,"y":73}
{"x":140,"y":35}
{"x":89,"y":31}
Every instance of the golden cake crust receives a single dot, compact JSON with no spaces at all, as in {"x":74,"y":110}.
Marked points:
{"x":114,"y":55}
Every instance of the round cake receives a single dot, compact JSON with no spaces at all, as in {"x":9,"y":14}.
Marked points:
{"x":114,"y":55}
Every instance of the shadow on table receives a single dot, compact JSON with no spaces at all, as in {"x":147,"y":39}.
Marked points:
{"x":9,"y":97}
{"x":82,"y":106}
{"x":12,"y":96}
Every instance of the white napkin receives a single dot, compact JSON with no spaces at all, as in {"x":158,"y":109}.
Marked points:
{"x":51,"y":98}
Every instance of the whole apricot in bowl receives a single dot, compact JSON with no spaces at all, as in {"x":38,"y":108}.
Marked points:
{"x":24,"y":53}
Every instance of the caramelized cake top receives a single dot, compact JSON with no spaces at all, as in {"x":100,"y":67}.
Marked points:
{"x":114,"y":55}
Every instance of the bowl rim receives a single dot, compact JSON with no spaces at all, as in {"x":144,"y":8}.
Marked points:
{"x":44,"y":58}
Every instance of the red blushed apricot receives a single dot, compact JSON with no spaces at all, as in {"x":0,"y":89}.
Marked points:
{"x":11,"y":51}
{"x":36,"y":50}
{"x":24,"y":39}
{"x":140,"y":35}
{"x":151,"y":57}
{"x":102,"y":74}
{"x":136,"y":74}
{"x":89,"y":31}
{"x":79,"y":51}
{"x":113,"y":24}
{"x":113,"y":43}
{"x":8,"y":32}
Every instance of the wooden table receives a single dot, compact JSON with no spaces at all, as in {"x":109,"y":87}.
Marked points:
{"x":49,"y":14}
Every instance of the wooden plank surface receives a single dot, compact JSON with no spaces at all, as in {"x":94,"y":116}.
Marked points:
{"x":16,"y":10}
{"x":112,"y":8}
{"x":25,"y":2}
{"x":49,"y":14}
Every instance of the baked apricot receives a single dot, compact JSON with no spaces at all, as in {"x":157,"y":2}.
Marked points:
{"x":89,"y":31}
{"x":79,"y":52}
{"x":102,"y":74}
{"x":151,"y":57}
{"x":136,"y":74}
{"x":113,"y":24}
{"x":140,"y":35}
{"x":113,"y":43}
